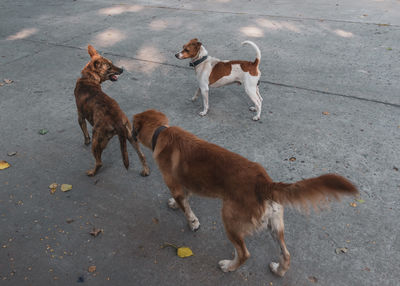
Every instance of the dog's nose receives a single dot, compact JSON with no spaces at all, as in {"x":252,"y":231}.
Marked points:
{"x":177,"y":55}
{"x":121,"y":70}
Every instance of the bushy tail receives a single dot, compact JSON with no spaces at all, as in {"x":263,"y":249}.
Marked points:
{"x":315,"y":191}
{"x":258,"y":53}
{"x":122,"y":136}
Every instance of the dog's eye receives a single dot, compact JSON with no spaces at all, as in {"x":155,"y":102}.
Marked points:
{"x":186,"y":50}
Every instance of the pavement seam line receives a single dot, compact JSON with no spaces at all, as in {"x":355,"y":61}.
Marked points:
{"x":292,"y":18}
{"x":263,"y":81}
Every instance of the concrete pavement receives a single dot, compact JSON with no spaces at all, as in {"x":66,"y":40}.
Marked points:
{"x":317,"y":56}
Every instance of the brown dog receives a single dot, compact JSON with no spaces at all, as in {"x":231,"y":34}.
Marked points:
{"x":251,"y":200}
{"x":103,"y":112}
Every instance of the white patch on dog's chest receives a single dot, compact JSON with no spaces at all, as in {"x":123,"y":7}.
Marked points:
{"x":234,"y":76}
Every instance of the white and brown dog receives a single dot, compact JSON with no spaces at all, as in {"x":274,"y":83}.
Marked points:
{"x":212,"y":72}
{"x":251,"y":200}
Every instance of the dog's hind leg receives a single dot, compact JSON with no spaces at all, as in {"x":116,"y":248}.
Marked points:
{"x":180,"y":199}
{"x":82,"y":124}
{"x":98,"y":145}
{"x":252,"y":91}
{"x":234,"y":231}
{"x":146,"y":170}
{"x":277,"y":232}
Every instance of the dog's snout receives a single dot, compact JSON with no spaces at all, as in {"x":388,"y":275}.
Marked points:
{"x":177,"y":55}
{"x":121,"y":70}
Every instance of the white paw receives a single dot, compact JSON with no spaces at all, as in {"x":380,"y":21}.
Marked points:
{"x":203,"y":113}
{"x":256,"y":118}
{"x":252,"y":108}
{"x":194,"y":98}
{"x":172,"y":204}
{"x":194,"y":224}
{"x":274,"y":266}
{"x":225,"y":265}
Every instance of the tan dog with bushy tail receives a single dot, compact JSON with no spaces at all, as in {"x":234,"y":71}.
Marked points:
{"x":251,"y":200}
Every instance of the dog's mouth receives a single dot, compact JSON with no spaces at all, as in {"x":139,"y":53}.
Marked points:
{"x":113,"y":77}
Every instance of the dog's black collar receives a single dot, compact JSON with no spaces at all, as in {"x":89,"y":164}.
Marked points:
{"x":155,"y":136}
{"x":196,"y":63}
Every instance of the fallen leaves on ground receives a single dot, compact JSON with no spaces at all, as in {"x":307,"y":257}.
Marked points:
{"x":66,"y":187}
{"x":340,"y":250}
{"x":155,"y":220}
{"x":389,"y":49}
{"x":4,"y":165}
{"x":325,"y":113}
{"x":383,"y":25}
{"x":12,"y":153}
{"x":353,"y":204}
{"x":96,"y":231}
{"x":53,"y":188}
{"x":92,"y":269}
{"x":43,"y":131}
{"x":360,"y":200}
{"x":182,"y":251}
{"x":292,"y":159}
{"x":8,"y":81}
{"x":313,"y":279}
{"x":70,"y":220}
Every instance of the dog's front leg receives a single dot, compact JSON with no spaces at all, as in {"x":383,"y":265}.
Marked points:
{"x":196,"y":94}
{"x":204,"y":93}
{"x":180,"y":200}
{"x":82,"y":124}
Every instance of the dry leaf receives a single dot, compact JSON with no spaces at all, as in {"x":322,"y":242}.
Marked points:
{"x":53,"y":188}
{"x":361,"y":201}
{"x":313,"y":279}
{"x":325,"y":113}
{"x":184,"y":252}
{"x":4,"y":165}
{"x":383,"y":25}
{"x":8,"y":81}
{"x":340,"y":250}
{"x":155,"y":220}
{"x":353,"y":204}
{"x":66,"y":187}
{"x":292,"y":159}
{"x":12,"y":153}
{"x":2,"y":83}
{"x":92,"y":269}
{"x":96,"y":231}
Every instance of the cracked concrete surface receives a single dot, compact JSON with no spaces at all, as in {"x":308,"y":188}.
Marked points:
{"x":339,"y":57}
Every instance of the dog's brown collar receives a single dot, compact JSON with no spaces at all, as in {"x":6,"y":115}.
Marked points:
{"x":155,"y":136}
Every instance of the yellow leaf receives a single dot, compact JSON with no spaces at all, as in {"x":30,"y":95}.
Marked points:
{"x":53,"y":188}
{"x":184,"y":252}
{"x":66,"y":187}
{"x":4,"y":165}
{"x":325,"y":113}
{"x":353,"y":204}
{"x":92,"y":269}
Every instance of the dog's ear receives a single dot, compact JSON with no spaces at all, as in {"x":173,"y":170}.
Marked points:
{"x":198,"y":44}
{"x":194,"y":40}
{"x":92,"y":52}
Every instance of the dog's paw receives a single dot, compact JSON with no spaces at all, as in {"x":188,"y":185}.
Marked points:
{"x":274,"y":266}
{"x":87,"y":142}
{"x":172,"y":204}
{"x":256,"y":118}
{"x":194,"y":98}
{"x":194,"y":224}
{"x":145,"y":172}
{"x":91,"y":173}
{"x":226,"y":265}
{"x":252,"y":108}
{"x":202,"y":113}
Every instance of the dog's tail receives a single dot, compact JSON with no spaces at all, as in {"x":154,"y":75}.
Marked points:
{"x":316,"y":191}
{"x":258,"y":53}
{"x":122,"y":136}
